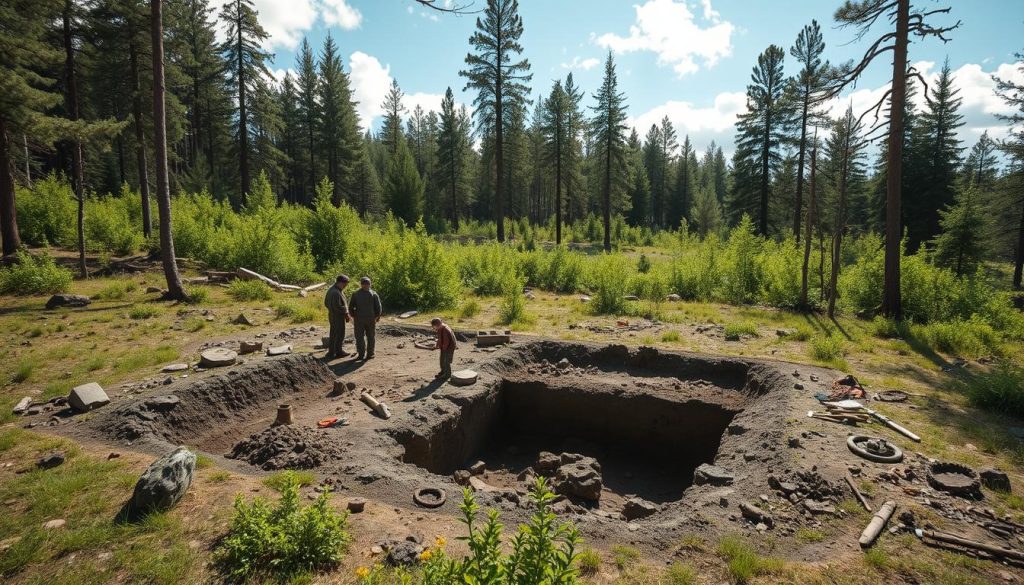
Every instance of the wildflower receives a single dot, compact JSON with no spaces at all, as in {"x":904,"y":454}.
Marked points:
{"x":440,"y":541}
{"x":425,"y":555}
{"x":362,"y":572}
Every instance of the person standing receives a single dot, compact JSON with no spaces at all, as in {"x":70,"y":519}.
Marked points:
{"x":337,"y":316}
{"x":446,"y":344}
{"x":366,"y":309}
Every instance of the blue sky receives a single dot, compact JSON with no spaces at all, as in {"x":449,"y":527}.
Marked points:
{"x":690,"y":60}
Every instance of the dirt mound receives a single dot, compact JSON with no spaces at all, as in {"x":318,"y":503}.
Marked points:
{"x":288,"y":447}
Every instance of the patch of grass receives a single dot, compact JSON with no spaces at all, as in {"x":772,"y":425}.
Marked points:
{"x":625,"y":556}
{"x":193,"y":324}
{"x":810,"y":535}
{"x":34,"y":332}
{"x":23,"y":371}
{"x":202,"y":461}
{"x":680,"y":574}
{"x":94,"y":363}
{"x":144,"y":357}
{"x":469,"y":309}
{"x":197,"y":296}
{"x":999,"y":390}
{"x":295,"y":312}
{"x":801,"y":333}
{"x":693,"y":542}
{"x":876,"y":558}
{"x":743,"y":562}
{"x":115,"y":291}
{"x":143,"y":312}
{"x":733,"y":331}
{"x":250,"y":290}
{"x":827,"y":348}
{"x":279,"y":480}
{"x":670,"y":336}
{"x":589,"y":562}
{"x":218,"y":476}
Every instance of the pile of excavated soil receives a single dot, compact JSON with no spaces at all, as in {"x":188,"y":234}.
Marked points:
{"x":288,"y":447}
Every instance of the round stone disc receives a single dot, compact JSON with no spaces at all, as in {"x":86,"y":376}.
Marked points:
{"x":463,"y":377}
{"x":217,"y":357}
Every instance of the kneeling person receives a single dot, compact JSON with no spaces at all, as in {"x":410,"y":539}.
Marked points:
{"x":366,"y":310}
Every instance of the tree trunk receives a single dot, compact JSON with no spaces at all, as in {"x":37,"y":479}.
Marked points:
{"x":140,"y":136}
{"x":243,"y":119}
{"x":163,"y":193}
{"x":8,"y":212}
{"x":837,"y":241}
{"x":799,"y":202}
{"x":78,"y":173}
{"x":1018,"y":261}
{"x":891,"y":303}
{"x":558,"y":184}
{"x":608,"y":188}
{"x":763,"y":222}
{"x":28,"y":162}
{"x":811,"y":210}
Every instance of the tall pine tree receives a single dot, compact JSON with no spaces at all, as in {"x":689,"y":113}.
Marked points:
{"x":808,"y":86}
{"x":609,"y":127}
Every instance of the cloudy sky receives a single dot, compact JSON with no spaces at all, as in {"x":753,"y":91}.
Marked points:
{"x":690,"y":60}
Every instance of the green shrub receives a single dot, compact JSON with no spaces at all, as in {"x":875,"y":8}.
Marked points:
{"x":23,"y":371}
{"x":781,"y":264}
{"x":651,"y":286}
{"x":670,"y":336}
{"x":470,"y":308}
{"x":680,"y":574}
{"x":143,"y":312}
{"x":282,"y":541}
{"x":696,"y":274}
{"x":34,"y":275}
{"x":557,"y":270}
{"x":643,"y":265}
{"x":733,"y":331}
{"x":513,"y":303}
{"x":887,"y":328}
{"x":743,"y":562}
{"x":297,"y":313}
{"x":999,"y":390}
{"x":607,"y":279}
{"x":47,"y":212}
{"x":249,"y":290}
{"x":197,"y":296}
{"x":589,"y":562}
{"x":970,"y":339}
{"x":115,"y":291}
{"x":742,"y":276}
{"x":827,"y":348}
{"x":282,"y":479}
{"x":114,"y":224}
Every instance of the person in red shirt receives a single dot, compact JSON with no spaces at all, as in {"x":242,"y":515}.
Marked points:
{"x":446,"y":344}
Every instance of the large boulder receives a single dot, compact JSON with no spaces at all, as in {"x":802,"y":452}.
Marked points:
{"x":994,"y":479}
{"x":712,"y":474}
{"x":217,"y":357}
{"x":165,"y":482}
{"x":87,"y":397}
{"x":637,"y":508}
{"x":579,"y":477}
{"x":64,"y":300}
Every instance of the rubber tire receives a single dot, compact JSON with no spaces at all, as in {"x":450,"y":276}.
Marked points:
{"x":417,"y":497}
{"x":852,"y":441}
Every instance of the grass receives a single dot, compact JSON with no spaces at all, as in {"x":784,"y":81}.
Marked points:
{"x":138,"y":312}
{"x":827,"y":348}
{"x":589,"y":561}
{"x":743,"y":562}
{"x":999,"y":390}
{"x":295,"y":312}
{"x":670,"y":337}
{"x":23,"y":371}
{"x":876,"y":558}
{"x":278,"y":480}
{"x":137,"y":359}
{"x":625,"y":556}
{"x":809,"y":535}
{"x":193,"y":324}
{"x":735,"y":330}
{"x":680,"y":574}
{"x":469,"y":309}
{"x":250,"y":290}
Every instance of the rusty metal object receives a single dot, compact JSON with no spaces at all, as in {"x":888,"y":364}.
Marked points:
{"x":872,"y":449}
{"x":429,"y":497}
{"x":284,"y":415}
{"x":955,"y":479}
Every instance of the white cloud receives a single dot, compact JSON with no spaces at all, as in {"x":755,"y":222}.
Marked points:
{"x":430,"y":102}
{"x":279,"y":74}
{"x":285,"y":22}
{"x":370,"y":82}
{"x":584,"y":64}
{"x":702,"y":124}
{"x":338,"y":12}
{"x":670,"y":30}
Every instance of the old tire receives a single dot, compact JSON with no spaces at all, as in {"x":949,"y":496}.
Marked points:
{"x":853,"y":442}
{"x":429,"y":497}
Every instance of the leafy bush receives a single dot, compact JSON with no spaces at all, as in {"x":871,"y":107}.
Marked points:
{"x":34,"y":275}
{"x":827,"y":348}
{"x":781,"y":264}
{"x":733,"y":331}
{"x":470,"y":308}
{"x":643,"y":265}
{"x":114,"y":224}
{"x":742,"y":276}
{"x":282,"y":541}
{"x":513,"y":303}
{"x":47,"y":212}
{"x":696,"y":272}
{"x":296,"y":312}
{"x":971,"y":339}
{"x":1000,"y":390}
{"x":249,"y":290}
{"x":607,"y":279}
{"x":589,"y":562}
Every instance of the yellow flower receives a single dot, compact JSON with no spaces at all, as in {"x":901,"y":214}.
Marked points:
{"x":439,"y":542}
{"x":362,"y":572}
{"x":425,"y":555}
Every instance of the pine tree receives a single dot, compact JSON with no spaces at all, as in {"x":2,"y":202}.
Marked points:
{"x":452,"y":157}
{"x":808,"y":87}
{"x":609,"y":126}
{"x":938,"y":153}
{"x":246,"y":67}
{"x":573,"y":162}
{"x":557,"y":142}
{"x":720,"y":175}
{"x":706,"y":212}
{"x":309,"y":111}
{"x":291,"y":140}
{"x":366,"y":184}
{"x":391,"y":132}
{"x":981,"y":166}
{"x":403,"y":189}
{"x":685,"y":189}
{"x":638,"y":186}
{"x":844,"y":152}
{"x":760,"y":132}
{"x":654,"y":212}
{"x":500,"y":82}
{"x":1011,"y":199}
{"x":961,"y":245}
{"x":338,"y":137}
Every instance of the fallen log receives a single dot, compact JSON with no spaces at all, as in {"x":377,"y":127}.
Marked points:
{"x":246,"y":274}
{"x":314,"y":287}
{"x":998,"y":551}
{"x":377,"y":406}
{"x":878,"y":522}
{"x":860,"y":497}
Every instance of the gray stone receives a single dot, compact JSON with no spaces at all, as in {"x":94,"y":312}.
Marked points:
{"x":638,"y":508}
{"x":673,"y":298}
{"x":461,"y":477}
{"x":64,"y":300}
{"x":50,"y":461}
{"x":815,"y":507}
{"x":165,"y":403}
{"x":563,"y":364}
{"x":356,"y":505}
{"x":279,"y":350}
{"x":87,"y":397}
{"x":242,"y":319}
{"x":477,"y":468}
{"x":246,"y":347}
{"x":174,"y":368}
{"x":403,"y":553}
{"x":580,"y":479}
{"x":51,"y":524}
{"x":547,"y":463}
{"x":217,"y":357}
{"x":713,"y":475}
{"x":463,"y":378}
{"x":994,"y":479}
{"x":22,"y":406}
{"x":165,"y":482}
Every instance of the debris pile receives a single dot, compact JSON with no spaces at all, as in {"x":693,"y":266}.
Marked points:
{"x":562,"y":368}
{"x":288,"y":447}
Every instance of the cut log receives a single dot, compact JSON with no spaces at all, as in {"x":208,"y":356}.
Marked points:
{"x":246,"y":274}
{"x":314,"y":287}
{"x":1000,"y":552}
{"x":377,"y":406}
{"x":874,"y":528}
{"x":860,"y":497}
{"x":289,"y":287}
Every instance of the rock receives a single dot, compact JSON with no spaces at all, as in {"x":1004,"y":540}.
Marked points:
{"x":50,"y":461}
{"x":22,"y":406}
{"x":798,"y":386}
{"x":241,"y":319}
{"x":713,"y":475}
{"x":815,"y":507}
{"x":580,"y":478}
{"x":547,"y":463}
{"x":64,"y":300}
{"x":673,"y":298}
{"x":217,"y":357}
{"x":165,"y":403}
{"x":461,"y":477}
{"x":994,"y":479}
{"x":403,"y":553}
{"x":463,"y":378}
{"x":563,"y":364}
{"x":480,"y":485}
{"x":174,"y":368}
{"x":51,"y":524}
{"x":279,"y":350}
{"x":477,"y":468}
{"x":165,"y":482}
{"x":356,"y":505}
{"x":408,"y":314}
{"x":794,"y":443}
{"x":584,"y":299}
{"x":636,"y":508}
{"x":87,"y":397}
{"x":153,"y":289}
{"x":247,"y":347}
{"x":736,"y":429}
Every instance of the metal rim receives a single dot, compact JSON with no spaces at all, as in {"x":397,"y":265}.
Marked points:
{"x":429,"y":497}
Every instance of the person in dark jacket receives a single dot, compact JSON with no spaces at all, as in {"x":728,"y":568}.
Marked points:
{"x":337,"y":316}
{"x":365,"y":308}
{"x":446,"y":344}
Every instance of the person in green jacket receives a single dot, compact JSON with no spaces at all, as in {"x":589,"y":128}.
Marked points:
{"x":337,"y":316}
{"x":366,"y":309}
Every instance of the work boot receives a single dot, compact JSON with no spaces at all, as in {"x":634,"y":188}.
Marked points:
{"x":369,"y":356}
{"x":360,"y":357}
{"x":330,"y":357}
{"x":344,"y":354}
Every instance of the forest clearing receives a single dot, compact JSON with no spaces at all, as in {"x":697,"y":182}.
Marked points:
{"x":796,"y":356}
